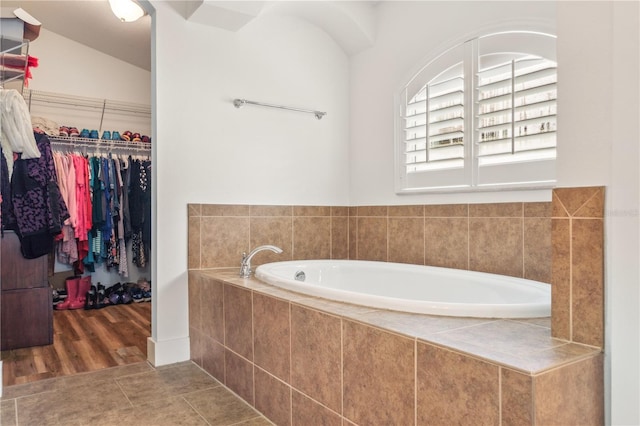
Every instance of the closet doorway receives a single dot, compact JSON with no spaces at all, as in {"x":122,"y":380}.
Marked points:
{"x":93,"y":74}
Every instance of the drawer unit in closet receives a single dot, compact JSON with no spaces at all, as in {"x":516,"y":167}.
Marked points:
{"x":25,"y":321}
{"x":25,"y":300}
{"x":18,"y":272}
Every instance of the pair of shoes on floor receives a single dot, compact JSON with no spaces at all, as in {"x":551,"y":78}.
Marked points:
{"x":145,"y":288}
{"x":58,"y":296}
{"x":118,"y":295}
{"x":96,"y":298}
{"x":77,"y":289}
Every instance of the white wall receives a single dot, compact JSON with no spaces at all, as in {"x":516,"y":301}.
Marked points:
{"x":598,"y":134}
{"x":406,"y":33}
{"x":622,"y":227}
{"x":207,"y":151}
{"x":66,"y":66}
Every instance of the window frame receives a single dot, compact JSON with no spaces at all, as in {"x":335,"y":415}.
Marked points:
{"x":467,"y":178}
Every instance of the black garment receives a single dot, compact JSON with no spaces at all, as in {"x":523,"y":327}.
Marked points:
{"x":140,"y":210}
{"x":38,"y":205}
{"x":8,"y":217}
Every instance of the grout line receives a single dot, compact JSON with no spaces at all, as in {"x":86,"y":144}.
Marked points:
{"x":289,"y":380}
{"x":200,"y":242}
{"x":15,"y":408}
{"x":342,"y":369}
{"x":523,"y":244}
{"x":415,"y":381}
{"x":570,"y":279}
{"x":500,"y":395}
{"x":123,"y":392}
{"x":468,"y":239}
{"x":196,"y":410}
{"x":424,"y":238}
{"x":253,"y":355}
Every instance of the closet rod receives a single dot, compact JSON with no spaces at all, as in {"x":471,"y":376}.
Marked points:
{"x":240,"y":102}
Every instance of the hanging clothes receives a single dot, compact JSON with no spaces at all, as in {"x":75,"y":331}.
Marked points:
{"x":140,"y":210}
{"x":103,"y":188}
{"x":39,"y":208}
{"x":16,"y":135}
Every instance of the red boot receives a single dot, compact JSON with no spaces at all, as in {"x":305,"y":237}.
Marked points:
{"x":84,"y":285}
{"x":71,"y":284}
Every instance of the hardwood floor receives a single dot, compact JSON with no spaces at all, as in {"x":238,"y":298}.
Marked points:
{"x":83,"y":341}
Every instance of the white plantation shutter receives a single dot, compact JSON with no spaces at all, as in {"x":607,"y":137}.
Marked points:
{"x":481,"y":114}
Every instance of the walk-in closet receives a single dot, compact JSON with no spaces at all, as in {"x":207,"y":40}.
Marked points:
{"x":75,"y":250}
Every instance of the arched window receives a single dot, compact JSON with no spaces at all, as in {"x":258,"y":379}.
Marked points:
{"x":481,"y":115}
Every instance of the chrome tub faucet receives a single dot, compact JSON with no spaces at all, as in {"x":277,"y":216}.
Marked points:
{"x":245,"y":265}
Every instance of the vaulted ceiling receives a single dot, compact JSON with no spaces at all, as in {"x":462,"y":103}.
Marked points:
{"x":90,"y":22}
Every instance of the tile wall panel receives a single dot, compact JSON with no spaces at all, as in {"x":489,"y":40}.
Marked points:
{"x":195,"y":345}
{"x":315,"y":356}
{"x":359,"y":373}
{"x":578,"y":265}
{"x":225,"y":210}
{"x":213,"y":358}
{"x":446,"y":242}
{"x":406,"y":240}
{"x":496,"y":210}
{"x":517,"y":394}
{"x":277,"y":231}
{"x":194,"y":244}
{"x":312,"y":237}
{"x":406,"y":211}
{"x":312,"y":211}
{"x":273,"y":398}
{"x":285,"y":211}
{"x":372,"y":238}
{"x":211,"y":308}
{"x":339,"y":237}
{"x":446,"y":210}
{"x":372,"y":356}
{"x":495,"y":245}
{"x":223,"y":239}
{"x":455,"y":389}
{"x":306,"y":411}
{"x":196,"y":282}
{"x":238,"y":375}
{"x":571,"y":395}
{"x":271,"y":336}
{"x":461,"y":236}
{"x":561,"y":279}
{"x":537,"y":249}
{"x":238,"y":330}
{"x":587,"y":275}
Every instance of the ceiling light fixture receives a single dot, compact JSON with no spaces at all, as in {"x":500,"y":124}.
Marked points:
{"x":126,"y":10}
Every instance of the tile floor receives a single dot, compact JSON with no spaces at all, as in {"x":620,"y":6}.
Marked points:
{"x":135,"y":394}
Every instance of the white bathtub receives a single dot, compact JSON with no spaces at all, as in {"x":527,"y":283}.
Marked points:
{"x":413,"y":288}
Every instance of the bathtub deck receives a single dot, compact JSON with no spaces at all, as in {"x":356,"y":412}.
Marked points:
{"x":304,"y":360}
{"x":524,"y":344}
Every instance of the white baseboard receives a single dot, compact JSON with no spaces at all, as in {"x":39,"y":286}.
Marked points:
{"x":165,"y":352}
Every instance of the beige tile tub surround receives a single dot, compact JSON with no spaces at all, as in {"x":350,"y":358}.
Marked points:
{"x":506,"y":238}
{"x":353,"y":365}
{"x":578,"y":267}
{"x":541,"y":379}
